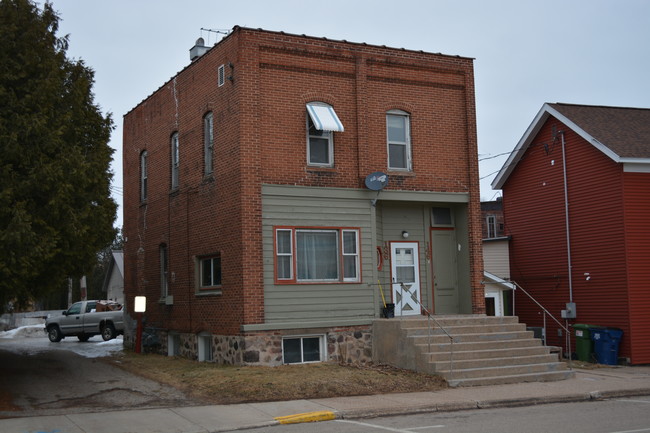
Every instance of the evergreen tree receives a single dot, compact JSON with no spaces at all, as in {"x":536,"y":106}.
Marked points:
{"x":56,"y":211}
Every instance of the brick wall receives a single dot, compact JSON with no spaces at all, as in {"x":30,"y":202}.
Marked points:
{"x":260,"y":119}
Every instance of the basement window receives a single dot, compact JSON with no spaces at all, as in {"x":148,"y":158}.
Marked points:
{"x":301,"y":350}
{"x":205,"y":348}
{"x":173,"y":344}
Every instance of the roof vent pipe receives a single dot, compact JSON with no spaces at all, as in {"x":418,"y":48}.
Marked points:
{"x":198,"y":49}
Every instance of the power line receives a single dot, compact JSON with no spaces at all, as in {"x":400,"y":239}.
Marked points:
{"x":494,"y":156}
{"x":486,"y":176}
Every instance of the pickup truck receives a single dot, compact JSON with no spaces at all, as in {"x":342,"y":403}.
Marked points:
{"x":86,"y":319}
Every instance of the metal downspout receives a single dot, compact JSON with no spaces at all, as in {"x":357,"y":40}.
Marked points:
{"x":566,"y":215}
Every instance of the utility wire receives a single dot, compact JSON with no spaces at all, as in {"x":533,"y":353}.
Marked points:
{"x":494,"y":156}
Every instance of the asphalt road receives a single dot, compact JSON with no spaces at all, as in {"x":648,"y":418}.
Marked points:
{"x":609,"y":416}
{"x":42,"y":378}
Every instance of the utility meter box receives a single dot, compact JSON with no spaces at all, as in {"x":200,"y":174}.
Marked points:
{"x":570,"y":312}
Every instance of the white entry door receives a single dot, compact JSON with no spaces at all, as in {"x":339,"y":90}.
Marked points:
{"x":405,"y":272}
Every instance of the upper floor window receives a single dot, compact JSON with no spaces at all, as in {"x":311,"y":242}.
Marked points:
{"x":210,"y":272}
{"x":322,"y":122}
{"x":221,"y":75}
{"x":175,"y":147}
{"x":317,"y":255}
{"x":399,"y":140}
{"x":208,"y":142}
{"x":143,"y":176}
{"x":491,"y":225}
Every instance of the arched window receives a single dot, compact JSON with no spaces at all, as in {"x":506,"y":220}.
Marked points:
{"x":208,"y":142}
{"x":322,"y":122}
{"x":164,"y":271}
{"x":175,"y":148}
{"x":398,"y":134}
{"x":143,"y":176}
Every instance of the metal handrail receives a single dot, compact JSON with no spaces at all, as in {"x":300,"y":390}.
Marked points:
{"x":567,"y":333}
{"x":429,"y":319}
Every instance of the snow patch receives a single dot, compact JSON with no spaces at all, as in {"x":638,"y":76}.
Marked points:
{"x":30,"y":331}
{"x":32,"y":339}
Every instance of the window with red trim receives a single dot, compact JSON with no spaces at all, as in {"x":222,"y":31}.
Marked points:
{"x":309,"y":255}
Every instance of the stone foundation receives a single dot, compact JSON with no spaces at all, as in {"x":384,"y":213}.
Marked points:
{"x":348,"y":345}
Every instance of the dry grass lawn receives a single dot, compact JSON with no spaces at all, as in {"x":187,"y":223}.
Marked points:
{"x":219,"y":384}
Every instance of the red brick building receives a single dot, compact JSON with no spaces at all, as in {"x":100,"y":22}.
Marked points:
{"x":248,"y":223}
{"x":576,"y":201}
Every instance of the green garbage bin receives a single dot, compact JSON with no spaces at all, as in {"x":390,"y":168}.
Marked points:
{"x":584,"y":344}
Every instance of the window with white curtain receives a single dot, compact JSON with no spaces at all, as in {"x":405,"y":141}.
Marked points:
{"x":317,"y":255}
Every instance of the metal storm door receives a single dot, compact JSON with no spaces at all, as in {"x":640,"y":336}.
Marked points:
{"x":405,"y":272}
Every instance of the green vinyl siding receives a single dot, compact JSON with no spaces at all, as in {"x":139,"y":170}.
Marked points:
{"x":286,"y":206}
{"x":292,"y":207}
{"x":411,"y":217}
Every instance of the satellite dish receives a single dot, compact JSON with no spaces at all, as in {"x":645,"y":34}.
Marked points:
{"x":376,"y":181}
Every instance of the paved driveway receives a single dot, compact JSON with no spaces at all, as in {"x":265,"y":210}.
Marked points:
{"x":38,"y":377}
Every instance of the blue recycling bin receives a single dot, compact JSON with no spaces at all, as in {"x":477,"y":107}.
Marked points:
{"x":606,"y":341}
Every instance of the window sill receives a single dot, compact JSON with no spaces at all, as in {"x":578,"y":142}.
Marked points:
{"x":316,"y":169}
{"x":405,"y":173}
{"x":208,"y":292}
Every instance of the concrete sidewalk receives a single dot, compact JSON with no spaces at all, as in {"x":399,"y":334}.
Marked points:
{"x":592,"y":384}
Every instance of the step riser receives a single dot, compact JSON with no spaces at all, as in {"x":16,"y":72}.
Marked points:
{"x":461,"y":330}
{"x":473,"y":338}
{"x":486,"y":345}
{"x":502,"y":371}
{"x":487,"y":354}
{"x":494,"y":362}
{"x":459,"y":321}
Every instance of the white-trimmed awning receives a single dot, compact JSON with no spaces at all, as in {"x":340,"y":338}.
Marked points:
{"x":324,"y":118}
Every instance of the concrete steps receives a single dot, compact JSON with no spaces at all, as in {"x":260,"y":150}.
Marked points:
{"x":485,"y":350}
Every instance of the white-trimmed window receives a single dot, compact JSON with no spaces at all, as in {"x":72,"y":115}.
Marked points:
{"x":208,"y":142}
{"x":176,"y":156}
{"x":205,"y":347}
{"x":143,"y":176}
{"x":221,"y":75}
{"x":399,"y":140}
{"x":300,"y":350}
{"x":491,"y":223}
{"x":173,"y":344}
{"x":310,"y":255}
{"x":210,"y":272}
{"x":350,"y":255}
{"x":284,"y":254}
{"x":322,"y":122}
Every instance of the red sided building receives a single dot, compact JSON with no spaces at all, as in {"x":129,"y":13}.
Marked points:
{"x":576,"y":200}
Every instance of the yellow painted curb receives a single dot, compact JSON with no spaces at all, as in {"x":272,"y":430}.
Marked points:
{"x":324,"y":415}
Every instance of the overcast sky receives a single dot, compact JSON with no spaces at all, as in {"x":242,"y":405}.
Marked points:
{"x":526,"y":52}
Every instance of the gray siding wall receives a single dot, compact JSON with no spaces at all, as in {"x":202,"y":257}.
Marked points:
{"x":318,"y":207}
{"x":342,"y":304}
{"x":414,"y":218}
